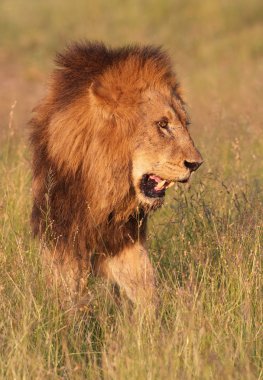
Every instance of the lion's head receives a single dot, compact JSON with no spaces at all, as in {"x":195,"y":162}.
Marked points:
{"x":143,"y":100}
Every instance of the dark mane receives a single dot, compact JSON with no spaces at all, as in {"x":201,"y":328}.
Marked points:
{"x":81,"y":63}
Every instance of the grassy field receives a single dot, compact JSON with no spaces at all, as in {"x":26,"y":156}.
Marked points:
{"x":206,"y":243}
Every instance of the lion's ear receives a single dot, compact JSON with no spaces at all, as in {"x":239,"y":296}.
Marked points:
{"x":114,"y":99}
{"x":105,"y":94}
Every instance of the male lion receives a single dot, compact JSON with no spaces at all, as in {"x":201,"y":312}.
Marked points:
{"x":108,"y":140}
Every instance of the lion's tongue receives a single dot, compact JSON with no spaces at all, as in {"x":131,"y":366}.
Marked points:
{"x":161,"y":183}
{"x":156,"y":178}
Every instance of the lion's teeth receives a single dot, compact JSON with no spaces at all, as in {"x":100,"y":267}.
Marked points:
{"x":160,"y":185}
{"x":170,"y":184}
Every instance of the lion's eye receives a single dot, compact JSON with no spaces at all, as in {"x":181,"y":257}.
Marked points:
{"x":163,"y":124}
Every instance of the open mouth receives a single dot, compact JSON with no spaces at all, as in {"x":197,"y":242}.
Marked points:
{"x":154,"y":186}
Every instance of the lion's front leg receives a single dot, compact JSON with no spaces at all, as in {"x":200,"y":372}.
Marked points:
{"x":67,"y":275}
{"x":131,"y":269}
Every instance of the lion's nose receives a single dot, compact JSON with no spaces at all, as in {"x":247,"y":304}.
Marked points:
{"x":194,"y":165}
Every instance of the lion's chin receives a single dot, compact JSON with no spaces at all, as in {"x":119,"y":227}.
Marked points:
{"x":150,"y":204}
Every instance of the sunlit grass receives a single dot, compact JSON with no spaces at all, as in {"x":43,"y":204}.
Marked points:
{"x":206,"y":248}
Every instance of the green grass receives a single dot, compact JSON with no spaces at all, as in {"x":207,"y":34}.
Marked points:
{"x":206,"y":243}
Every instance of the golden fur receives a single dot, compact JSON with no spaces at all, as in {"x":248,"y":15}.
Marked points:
{"x":96,"y":137}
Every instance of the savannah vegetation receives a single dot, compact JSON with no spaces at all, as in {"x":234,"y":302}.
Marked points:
{"x":206,"y":243}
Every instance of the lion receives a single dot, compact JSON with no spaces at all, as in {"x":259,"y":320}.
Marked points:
{"x":108,"y":140}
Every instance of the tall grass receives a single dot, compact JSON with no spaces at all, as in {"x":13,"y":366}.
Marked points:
{"x":206,"y":243}
{"x":206,"y":247}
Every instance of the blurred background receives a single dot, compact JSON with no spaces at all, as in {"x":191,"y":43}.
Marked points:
{"x":216,"y":47}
